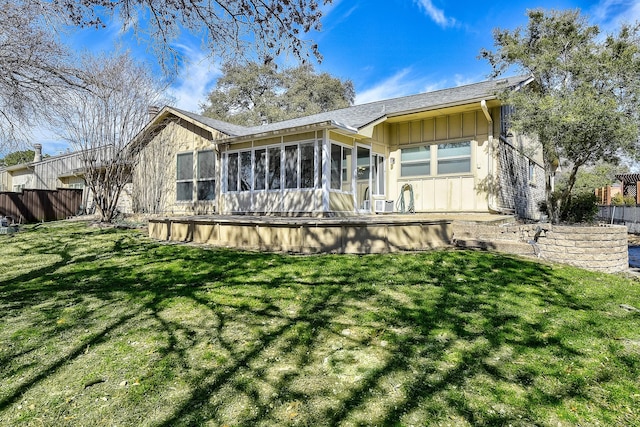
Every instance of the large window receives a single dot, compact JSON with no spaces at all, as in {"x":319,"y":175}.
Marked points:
{"x":203,"y":180}
{"x":447,"y":158}
{"x":415,"y":161}
{"x":454,"y":158}
{"x":269,"y":168}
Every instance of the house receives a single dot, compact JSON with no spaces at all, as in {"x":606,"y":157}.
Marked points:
{"x":51,"y":173}
{"x":445,"y":151}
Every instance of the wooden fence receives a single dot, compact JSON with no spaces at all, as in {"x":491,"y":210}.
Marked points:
{"x":40,"y":205}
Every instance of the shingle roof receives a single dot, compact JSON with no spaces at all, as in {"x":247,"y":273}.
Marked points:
{"x":358,"y":116}
{"x":224,"y":127}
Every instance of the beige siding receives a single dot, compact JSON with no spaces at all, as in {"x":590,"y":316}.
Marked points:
{"x":441,"y":193}
{"x":5,"y":181}
{"x":341,"y":202}
{"x":340,"y":138}
{"x":154,"y":178}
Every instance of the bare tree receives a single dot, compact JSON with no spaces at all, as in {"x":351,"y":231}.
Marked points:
{"x":101,"y":120}
{"x":265,"y":27}
{"x":151,"y":175}
{"x":34,"y":68}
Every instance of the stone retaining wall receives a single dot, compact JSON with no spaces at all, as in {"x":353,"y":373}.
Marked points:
{"x":596,"y":248}
{"x":603,"y":248}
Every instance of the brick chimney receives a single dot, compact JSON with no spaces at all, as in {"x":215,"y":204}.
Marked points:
{"x":38,"y":152}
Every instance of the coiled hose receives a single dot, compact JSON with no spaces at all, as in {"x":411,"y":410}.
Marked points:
{"x":400,"y":204}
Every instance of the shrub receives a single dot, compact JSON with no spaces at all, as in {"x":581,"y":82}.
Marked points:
{"x":617,"y":200}
{"x":581,"y":207}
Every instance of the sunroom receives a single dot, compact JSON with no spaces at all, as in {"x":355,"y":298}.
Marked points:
{"x":322,"y":172}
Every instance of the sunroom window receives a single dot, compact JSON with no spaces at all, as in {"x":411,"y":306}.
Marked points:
{"x":340,"y":167}
{"x":261,"y":169}
{"x":291,"y":166}
{"x":274,"y":168}
{"x":232,"y":172}
{"x":259,"y":173}
{"x":307,"y":175}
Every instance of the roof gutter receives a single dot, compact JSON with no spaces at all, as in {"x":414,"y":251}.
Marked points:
{"x":492,"y":204}
{"x":344,"y":127}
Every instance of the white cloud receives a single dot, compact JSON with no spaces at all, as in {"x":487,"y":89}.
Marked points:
{"x":609,"y":14}
{"x":195,"y":80}
{"x":392,"y":87}
{"x":437,"y":15}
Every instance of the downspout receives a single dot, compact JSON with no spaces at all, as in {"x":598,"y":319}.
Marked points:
{"x":493,"y":206}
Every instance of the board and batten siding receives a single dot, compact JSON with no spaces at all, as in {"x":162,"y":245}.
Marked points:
{"x":442,"y":193}
{"x":154,"y":178}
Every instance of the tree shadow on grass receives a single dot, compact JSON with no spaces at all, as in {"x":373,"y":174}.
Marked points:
{"x":271,"y":339}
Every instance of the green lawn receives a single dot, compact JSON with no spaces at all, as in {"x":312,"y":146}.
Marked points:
{"x":106,"y":327}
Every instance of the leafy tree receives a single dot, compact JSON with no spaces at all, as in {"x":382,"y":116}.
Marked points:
{"x":252,"y":94}
{"x":101,"y":121}
{"x":583,"y":103}
{"x":17,"y":158}
{"x":268,"y":27}
{"x":591,"y":177}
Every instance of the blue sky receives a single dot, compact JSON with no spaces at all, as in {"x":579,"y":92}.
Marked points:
{"x":387,"y":48}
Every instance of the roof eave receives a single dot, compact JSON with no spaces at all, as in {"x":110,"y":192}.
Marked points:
{"x":21,"y":166}
{"x":278,"y":132}
{"x":443,"y":106}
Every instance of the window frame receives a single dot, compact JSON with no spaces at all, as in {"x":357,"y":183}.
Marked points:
{"x":199,"y":179}
{"x":180,"y":179}
{"x":195,"y":178}
{"x":434,"y":159}
{"x":284,"y":179}
{"x":378,"y":175}
{"x":454,"y":157}
{"x":345,"y":170}
{"x":428,"y":161}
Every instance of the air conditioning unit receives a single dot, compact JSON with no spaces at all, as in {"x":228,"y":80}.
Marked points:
{"x":383,"y":206}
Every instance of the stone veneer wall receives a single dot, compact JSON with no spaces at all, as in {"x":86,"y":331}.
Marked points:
{"x":603,"y":248}
{"x":596,"y":248}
